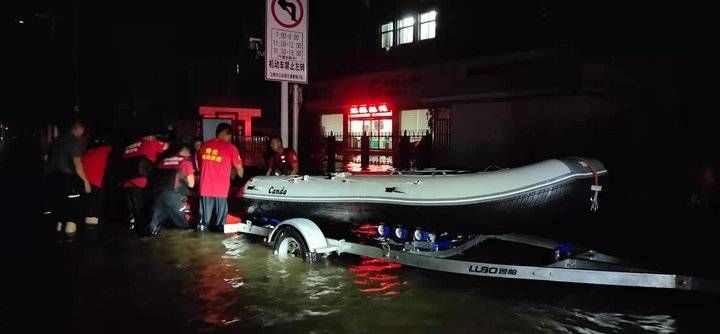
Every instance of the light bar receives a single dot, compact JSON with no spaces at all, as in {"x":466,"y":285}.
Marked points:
{"x":383,"y":108}
{"x":363,"y":110}
{"x":354,"y":110}
{"x":373,"y":109}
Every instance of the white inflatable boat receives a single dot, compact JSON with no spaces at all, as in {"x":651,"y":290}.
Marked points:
{"x":499,"y":201}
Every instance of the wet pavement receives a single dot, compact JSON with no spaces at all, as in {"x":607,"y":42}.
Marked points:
{"x":108,"y":280}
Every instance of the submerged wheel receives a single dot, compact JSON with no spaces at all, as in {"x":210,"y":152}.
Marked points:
{"x":291,"y":244}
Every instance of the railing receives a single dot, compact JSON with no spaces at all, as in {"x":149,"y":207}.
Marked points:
{"x":402,"y":151}
{"x":379,"y":141}
{"x":252,"y":149}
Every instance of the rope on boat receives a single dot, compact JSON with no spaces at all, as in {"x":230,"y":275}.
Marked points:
{"x":595,"y":187}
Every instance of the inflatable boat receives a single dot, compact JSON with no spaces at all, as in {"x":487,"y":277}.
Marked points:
{"x":507,"y":200}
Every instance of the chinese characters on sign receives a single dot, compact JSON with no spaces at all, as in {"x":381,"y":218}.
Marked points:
{"x":286,"y":41}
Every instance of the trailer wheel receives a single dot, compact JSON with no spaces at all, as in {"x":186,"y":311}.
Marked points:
{"x":291,"y":244}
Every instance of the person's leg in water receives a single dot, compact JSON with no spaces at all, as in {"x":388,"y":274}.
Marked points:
{"x":54,"y":200}
{"x":94,"y":206}
{"x":221,"y":209}
{"x":70,"y":210}
{"x":136,"y":197}
{"x":207,"y":208}
{"x":159,"y":215}
{"x":130,"y":208}
{"x":176,"y":205}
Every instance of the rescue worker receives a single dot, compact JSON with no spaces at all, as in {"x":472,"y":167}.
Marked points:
{"x":95,"y":162}
{"x":284,"y":161}
{"x":139,"y":158}
{"x":170,"y":184}
{"x":216,"y":157}
{"x":197,"y":142}
{"x":66,"y":178}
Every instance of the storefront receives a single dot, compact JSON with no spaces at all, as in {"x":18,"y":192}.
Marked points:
{"x":478,"y":111}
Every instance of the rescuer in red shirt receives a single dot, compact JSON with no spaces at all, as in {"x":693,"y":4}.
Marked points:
{"x":170,"y":184}
{"x":284,"y":160}
{"x":139,"y":159}
{"x":215,"y":158}
{"x":95,"y":163}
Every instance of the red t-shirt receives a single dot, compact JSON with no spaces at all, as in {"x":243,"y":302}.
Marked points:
{"x":148,"y":148}
{"x":94,"y":162}
{"x":181,"y":164}
{"x":282,"y":162}
{"x":215,"y":159}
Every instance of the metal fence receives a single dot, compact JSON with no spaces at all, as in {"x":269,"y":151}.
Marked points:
{"x":252,"y":149}
{"x":378,"y":141}
{"x":384,"y":149}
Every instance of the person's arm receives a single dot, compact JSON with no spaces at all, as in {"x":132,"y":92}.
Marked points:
{"x":80,"y":171}
{"x":237,"y":162}
{"x":190,"y":178}
{"x":295,"y":164}
{"x":270,"y":167}
{"x":240,"y":170}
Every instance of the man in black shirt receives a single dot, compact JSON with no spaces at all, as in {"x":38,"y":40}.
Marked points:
{"x":67,"y":180}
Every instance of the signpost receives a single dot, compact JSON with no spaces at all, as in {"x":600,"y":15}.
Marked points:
{"x":286,"y":45}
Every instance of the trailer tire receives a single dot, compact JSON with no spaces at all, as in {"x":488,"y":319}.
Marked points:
{"x":290,"y":243}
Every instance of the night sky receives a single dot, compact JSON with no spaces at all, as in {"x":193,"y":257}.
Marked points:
{"x":135,"y":56}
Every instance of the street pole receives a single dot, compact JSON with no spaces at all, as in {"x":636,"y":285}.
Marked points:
{"x":296,"y":115}
{"x":284,"y":112}
{"x":76,"y":61}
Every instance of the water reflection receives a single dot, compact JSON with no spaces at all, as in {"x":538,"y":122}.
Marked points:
{"x":236,"y":283}
{"x":574,"y":320}
{"x":216,"y":280}
{"x":377,"y":276}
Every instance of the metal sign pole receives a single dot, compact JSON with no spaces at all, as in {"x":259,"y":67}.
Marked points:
{"x":286,"y":57}
{"x":284,"y":112}
{"x":296,"y":116}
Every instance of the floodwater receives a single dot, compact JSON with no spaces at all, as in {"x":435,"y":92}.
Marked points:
{"x":188,"y":282}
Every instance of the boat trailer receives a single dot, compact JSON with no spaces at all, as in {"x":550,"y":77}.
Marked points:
{"x":577,"y":266}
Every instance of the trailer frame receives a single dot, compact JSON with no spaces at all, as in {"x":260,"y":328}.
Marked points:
{"x":583,"y":266}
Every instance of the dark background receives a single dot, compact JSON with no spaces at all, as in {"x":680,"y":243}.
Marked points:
{"x":127,"y":62}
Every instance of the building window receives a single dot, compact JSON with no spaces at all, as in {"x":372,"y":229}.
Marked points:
{"x":428,"y":24}
{"x":406,"y":30}
{"x":332,"y":123}
{"x":386,"y":35}
{"x":414,"y":122}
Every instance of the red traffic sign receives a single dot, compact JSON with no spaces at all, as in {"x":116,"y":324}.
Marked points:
{"x":287,"y":13}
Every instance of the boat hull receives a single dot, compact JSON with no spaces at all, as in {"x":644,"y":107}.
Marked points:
{"x":521,"y":213}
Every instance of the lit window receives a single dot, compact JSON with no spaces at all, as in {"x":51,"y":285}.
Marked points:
{"x":332,"y":123}
{"x":414,"y":122}
{"x":406,"y":30}
{"x":386,"y":35}
{"x":427,"y":24}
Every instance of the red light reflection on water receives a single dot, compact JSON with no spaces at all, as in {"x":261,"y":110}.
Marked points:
{"x":377,"y":276}
{"x":366,"y":230}
{"x":218,"y":301}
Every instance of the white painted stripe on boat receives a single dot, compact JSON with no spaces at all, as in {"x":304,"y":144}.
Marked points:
{"x":411,"y":201}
